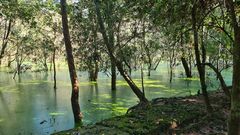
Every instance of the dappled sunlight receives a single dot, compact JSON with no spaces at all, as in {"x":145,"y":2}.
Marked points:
{"x":56,"y":113}
{"x":1,"y":120}
{"x":190,"y":79}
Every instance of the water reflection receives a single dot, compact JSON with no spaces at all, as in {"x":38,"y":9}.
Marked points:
{"x":30,"y":105}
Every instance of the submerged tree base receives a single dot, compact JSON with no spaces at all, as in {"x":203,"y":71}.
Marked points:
{"x":182,"y":115}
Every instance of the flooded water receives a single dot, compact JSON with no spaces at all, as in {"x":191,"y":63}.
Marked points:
{"x":30,"y":105}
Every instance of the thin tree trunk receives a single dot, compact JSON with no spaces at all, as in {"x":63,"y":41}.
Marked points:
{"x":72,"y":71}
{"x":114,"y":76}
{"x":45,"y":60}
{"x":54,"y":69}
{"x":234,"y":119}
{"x":142,"y":79}
{"x":158,"y":62}
{"x":198,"y":61}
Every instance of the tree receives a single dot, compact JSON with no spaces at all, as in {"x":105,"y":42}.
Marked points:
{"x":234,"y":118}
{"x":106,"y":39}
{"x":200,"y":67}
{"x":72,"y":71}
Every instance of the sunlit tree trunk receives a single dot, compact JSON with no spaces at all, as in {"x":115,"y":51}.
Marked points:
{"x":71,"y":66}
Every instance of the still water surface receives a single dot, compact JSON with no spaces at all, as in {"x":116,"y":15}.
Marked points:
{"x":29,"y":105}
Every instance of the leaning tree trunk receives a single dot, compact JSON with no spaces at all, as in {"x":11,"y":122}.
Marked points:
{"x":220,"y":77}
{"x":71,"y":66}
{"x":5,"y":39}
{"x":200,"y":67}
{"x":234,"y":119}
{"x":119,"y":65}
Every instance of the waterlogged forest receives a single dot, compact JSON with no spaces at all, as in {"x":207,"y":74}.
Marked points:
{"x":120,"y":67}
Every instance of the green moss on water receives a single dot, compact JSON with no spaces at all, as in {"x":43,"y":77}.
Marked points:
{"x":190,"y":79}
{"x":147,"y":83}
{"x":9,"y":90}
{"x":56,"y":113}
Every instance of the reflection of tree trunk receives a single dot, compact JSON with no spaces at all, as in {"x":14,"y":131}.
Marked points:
{"x":71,"y":66}
{"x":119,"y":65}
{"x":114,"y":97}
{"x":5,"y":104}
{"x":200,"y":67}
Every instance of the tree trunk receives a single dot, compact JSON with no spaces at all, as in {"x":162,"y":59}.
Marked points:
{"x":114,"y":76}
{"x":149,"y":68}
{"x":93,"y":72}
{"x":72,"y":71}
{"x":220,"y":77}
{"x":54,"y":68}
{"x":198,"y":61}
{"x":184,"y":61}
{"x":5,"y":39}
{"x":234,"y":119}
{"x":119,"y":65}
{"x":45,"y":60}
{"x":186,"y":68}
{"x":142,"y":79}
{"x":158,"y":62}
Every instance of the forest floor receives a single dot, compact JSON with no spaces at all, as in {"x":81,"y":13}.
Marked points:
{"x":166,"y":116}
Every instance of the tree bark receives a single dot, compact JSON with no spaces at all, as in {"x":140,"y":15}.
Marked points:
{"x":71,"y":66}
{"x":119,"y":65}
{"x":114,"y":76}
{"x":186,"y":68}
{"x":198,"y":61}
{"x":234,"y":119}
{"x":184,"y":61}
{"x":5,"y":39}
{"x":54,"y":68}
